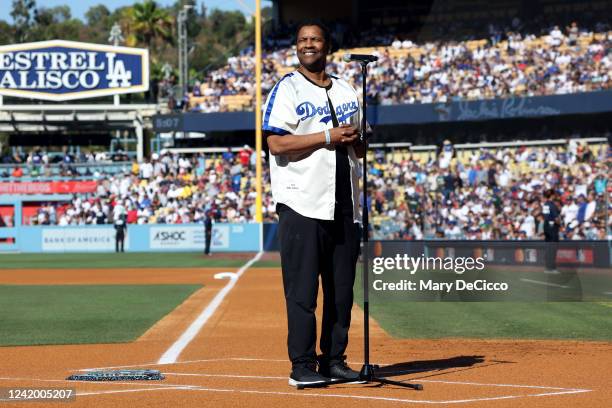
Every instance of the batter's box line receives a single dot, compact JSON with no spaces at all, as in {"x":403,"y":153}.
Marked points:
{"x":188,"y":387}
{"x":212,"y":360}
{"x":246,"y":377}
{"x":207,"y":360}
{"x":543,"y":387}
{"x":477,"y":384}
{"x":344,"y":396}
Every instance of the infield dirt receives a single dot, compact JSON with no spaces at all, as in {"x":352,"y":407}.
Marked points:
{"x":239,"y":358}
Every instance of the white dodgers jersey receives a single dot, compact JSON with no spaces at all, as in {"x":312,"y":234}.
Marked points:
{"x":307,"y":182}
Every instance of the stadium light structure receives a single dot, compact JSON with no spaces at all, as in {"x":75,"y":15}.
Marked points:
{"x":115,"y":37}
{"x":183,"y":48}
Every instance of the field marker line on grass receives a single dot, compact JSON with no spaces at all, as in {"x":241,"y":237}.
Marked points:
{"x":176,"y":349}
{"x":544,"y":283}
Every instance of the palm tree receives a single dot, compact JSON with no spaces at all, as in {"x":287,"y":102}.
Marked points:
{"x":151,"y":23}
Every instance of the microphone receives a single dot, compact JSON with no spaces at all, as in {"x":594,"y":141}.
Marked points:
{"x":360,"y":58}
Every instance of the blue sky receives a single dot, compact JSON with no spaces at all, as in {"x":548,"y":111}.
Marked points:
{"x":80,"y":7}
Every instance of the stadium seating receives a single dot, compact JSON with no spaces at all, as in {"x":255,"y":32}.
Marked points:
{"x":438,"y":71}
{"x":465,"y":191}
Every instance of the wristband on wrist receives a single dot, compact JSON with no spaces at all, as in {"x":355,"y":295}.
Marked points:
{"x":327,"y":137}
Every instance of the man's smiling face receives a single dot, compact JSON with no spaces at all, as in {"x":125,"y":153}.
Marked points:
{"x":312,"y":48}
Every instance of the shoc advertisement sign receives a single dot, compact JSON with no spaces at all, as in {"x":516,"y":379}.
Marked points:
{"x":189,"y":237}
{"x":65,"y":70}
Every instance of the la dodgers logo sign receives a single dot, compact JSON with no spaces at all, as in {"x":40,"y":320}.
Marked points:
{"x":64,"y":70}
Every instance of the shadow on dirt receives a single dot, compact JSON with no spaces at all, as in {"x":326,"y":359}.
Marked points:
{"x":437,"y":367}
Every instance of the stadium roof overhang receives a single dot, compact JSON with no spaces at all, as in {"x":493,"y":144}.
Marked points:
{"x":77,"y":117}
{"x":40,"y":118}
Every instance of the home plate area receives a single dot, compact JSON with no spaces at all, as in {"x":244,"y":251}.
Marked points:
{"x":252,"y":377}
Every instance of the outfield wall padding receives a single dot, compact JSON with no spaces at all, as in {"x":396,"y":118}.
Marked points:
{"x":140,"y":238}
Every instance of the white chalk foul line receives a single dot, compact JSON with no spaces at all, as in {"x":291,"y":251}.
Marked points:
{"x":177,"y":348}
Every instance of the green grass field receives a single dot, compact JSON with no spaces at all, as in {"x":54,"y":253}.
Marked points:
{"x":120,"y":313}
{"x":552,"y":320}
{"x":536,"y":319}
{"x":124,"y":260}
{"x":77,"y":314}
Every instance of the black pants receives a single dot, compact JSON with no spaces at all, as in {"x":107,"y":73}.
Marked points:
{"x":119,"y":238}
{"x":309,"y":248}
{"x":551,"y":236}
{"x":208,"y":237}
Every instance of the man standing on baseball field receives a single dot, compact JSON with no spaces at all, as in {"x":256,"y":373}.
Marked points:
{"x":314,"y":153}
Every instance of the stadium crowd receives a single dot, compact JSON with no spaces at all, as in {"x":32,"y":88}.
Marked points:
{"x":167,"y":189}
{"x":491,"y":193}
{"x":485,"y":193}
{"x":39,"y":162}
{"x":566,"y":60}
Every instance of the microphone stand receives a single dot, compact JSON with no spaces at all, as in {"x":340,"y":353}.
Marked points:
{"x":368,"y":370}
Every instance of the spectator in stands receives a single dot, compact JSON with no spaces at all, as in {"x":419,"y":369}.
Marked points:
{"x":245,"y":155}
{"x":438,"y":71}
{"x":196,"y":89}
{"x":228,"y":156}
{"x":146,"y":170}
{"x":491,"y":193}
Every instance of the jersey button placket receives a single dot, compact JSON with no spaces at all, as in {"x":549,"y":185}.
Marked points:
{"x":332,"y":180}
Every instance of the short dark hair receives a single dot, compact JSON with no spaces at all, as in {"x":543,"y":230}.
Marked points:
{"x":319,"y":23}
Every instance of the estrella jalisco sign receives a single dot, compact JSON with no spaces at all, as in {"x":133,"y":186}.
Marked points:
{"x":64,"y":70}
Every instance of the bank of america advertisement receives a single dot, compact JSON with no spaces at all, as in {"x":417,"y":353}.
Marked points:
{"x":188,"y":237}
{"x":65,"y":70}
{"x":67,"y":239}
